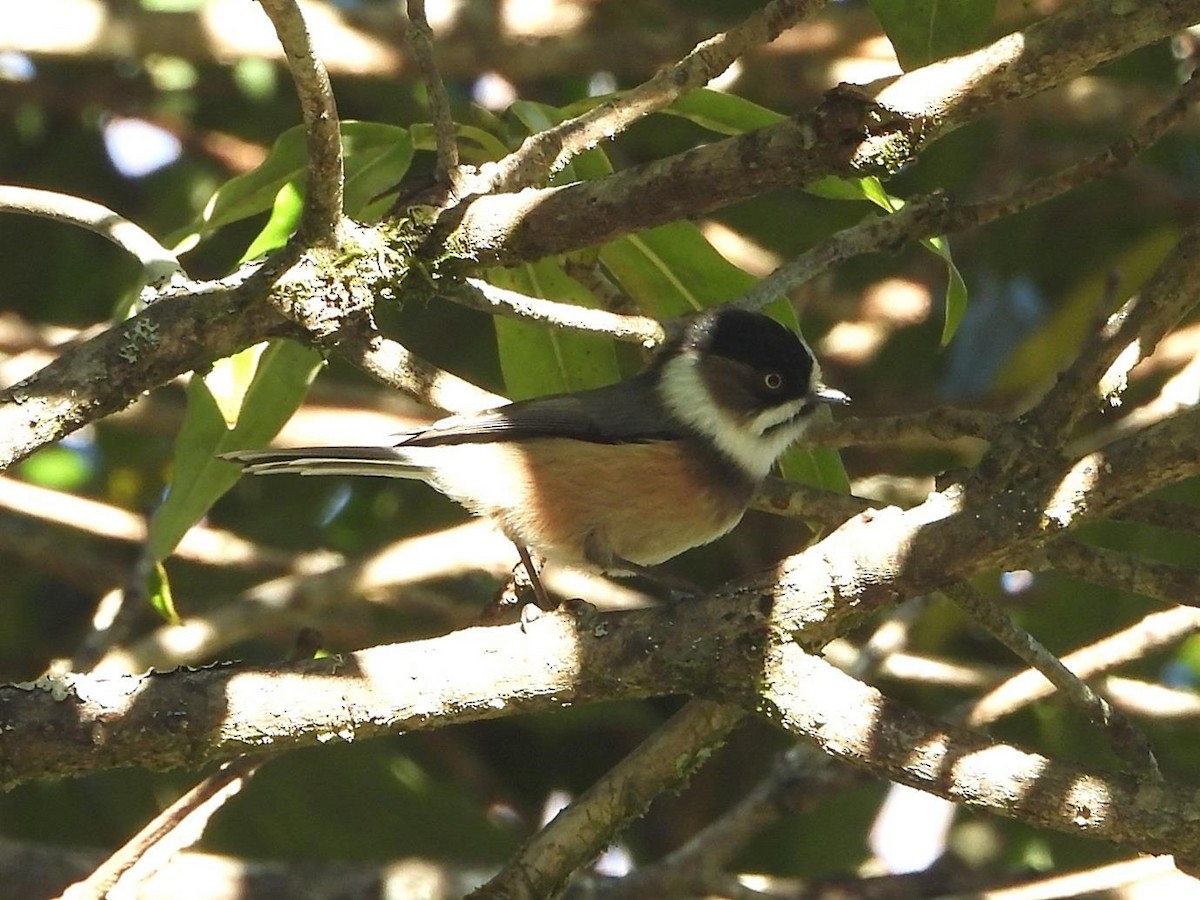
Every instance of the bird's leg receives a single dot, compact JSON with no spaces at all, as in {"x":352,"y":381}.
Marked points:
{"x":541,"y":598}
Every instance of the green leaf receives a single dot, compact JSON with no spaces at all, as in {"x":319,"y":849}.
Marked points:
{"x":375,"y":162}
{"x":366,"y":146}
{"x":874,"y":191}
{"x":271,"y":394}
{"x":956,"y":287}
{"x":284,"y":220}
{"x":158,"y":589}
{"x":723,"y":113}
{"x":474,"y":144}
{"x":922,"y":31}
{"x":537,"y":359}
{"x":833,"y":188}
{"x":672,"y":270}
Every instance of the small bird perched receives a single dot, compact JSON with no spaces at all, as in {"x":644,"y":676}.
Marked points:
{"x":621,"y":477}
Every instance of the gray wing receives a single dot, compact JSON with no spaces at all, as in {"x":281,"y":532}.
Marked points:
{"x":628,"y":412}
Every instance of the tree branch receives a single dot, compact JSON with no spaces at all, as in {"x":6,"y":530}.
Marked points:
{"x":548,"y":151}
{"x":1125,"y":646}
{"x":927,"y":216}
{"x":323,"y":198}
{"x":855,"y":723}
{"x":1162,"y":581}
{"x":848,"y":134}
{"x":159,"y":265}
{"x":663,"y":762}
{"x":420,"y":40}
{"x":105,"y":374}
{"x":1127,"y":741}
{"x":60,"y":728}
{"x":479,"y":294}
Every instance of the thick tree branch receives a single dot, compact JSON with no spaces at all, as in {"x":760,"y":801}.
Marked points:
{"x":848,"y":134}
{"x":855,"y":723}
{"x":171,"y":719}
{"x":108,"y":372}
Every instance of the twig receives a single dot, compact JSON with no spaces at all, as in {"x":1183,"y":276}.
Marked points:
{"x":323,"y":197}
{"x":662,"y":762}
{"x":802,"y":501}
{"x":919,"y":218}
{"x":183,"y":822}
{"x":1128,"y":645}
{"x":172,"y":830}
{"x":935,"y":214}
{"x":420,"y":41}
{"x":1124,"y":571}
{"x":800,"y":779}
{"x":1160,"y":514}
{"x":479,"y":294}
{"x":1127,"y":740}
{"x":160,"y":266}
{"x":548,"y":151}
{"x":944,"y":423}
{"x":396,"y":366}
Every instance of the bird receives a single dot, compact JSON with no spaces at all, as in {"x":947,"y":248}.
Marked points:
{"x":617,"y":478}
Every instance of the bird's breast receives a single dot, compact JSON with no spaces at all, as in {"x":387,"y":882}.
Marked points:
{"x":583,"y":502}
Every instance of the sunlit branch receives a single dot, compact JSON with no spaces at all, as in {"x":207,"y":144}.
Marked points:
{"x":1128,"y":742}
{"x":1131,"y":644}
{"x":924,"y":217}
{"x":548,"y":151}
{"x":159,"y":264}
{"x":394,"y":365}
{"x":479,"y":294}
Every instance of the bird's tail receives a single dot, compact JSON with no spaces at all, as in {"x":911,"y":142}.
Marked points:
{"x":389,"y":462}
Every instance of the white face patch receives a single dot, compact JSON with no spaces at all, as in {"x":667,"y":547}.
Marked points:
{"x":751,"y":445}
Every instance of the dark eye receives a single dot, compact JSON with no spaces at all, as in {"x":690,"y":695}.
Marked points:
{"x":772,"y":381}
